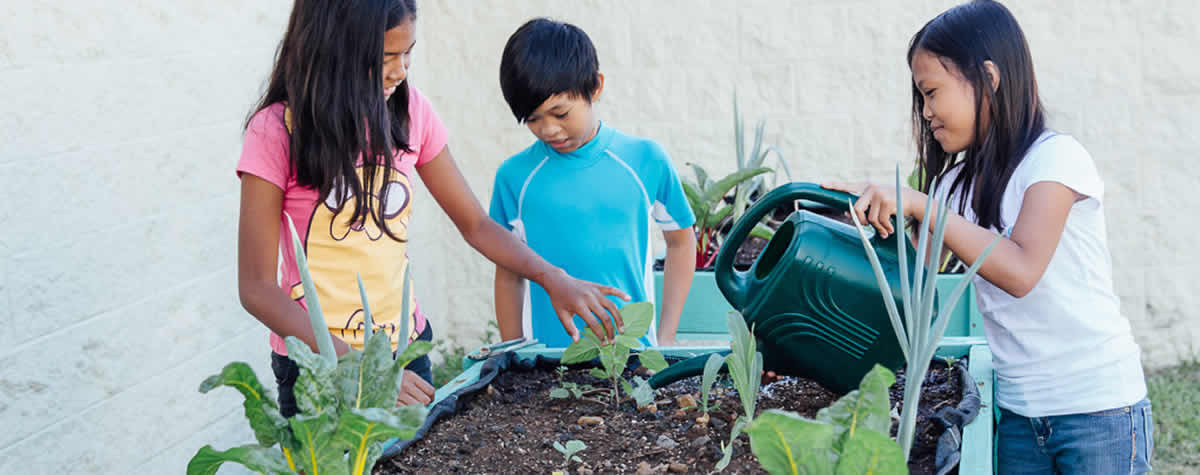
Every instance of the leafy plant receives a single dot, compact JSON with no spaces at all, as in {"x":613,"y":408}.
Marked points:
{"x":347,"y":404}
{"x":569,"y":450}
{"x":707,"y":199}
{"x":745,"y":367}
{"x":849,"y":437}
{"x":614,"y":357}
{"x":918,"y":333}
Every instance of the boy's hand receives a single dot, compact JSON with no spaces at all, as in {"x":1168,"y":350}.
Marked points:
{"x":414,"y":390}
{"x":571,"y":296}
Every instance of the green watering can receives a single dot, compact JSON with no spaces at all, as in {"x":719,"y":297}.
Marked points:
{"x":811,"y":298}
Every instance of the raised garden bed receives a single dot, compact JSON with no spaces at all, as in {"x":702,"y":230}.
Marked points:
{"x":510,"y":425}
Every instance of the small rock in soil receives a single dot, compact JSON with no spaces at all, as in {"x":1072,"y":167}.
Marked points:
{"x":679,"y":414}
{"x":717,"y":423}
{"x":703,"y":420}
{"x":685,"y":401}
{"x":666,"y":442}
{"x":700,"y":441}
{"x":564,"y":436}
{"x":644,"y":469}
{"x":698,"y":429}
{"x":590,"y":421}
{"x":584,"y":471}
{"x":650,"y":408}
{"x":518,"y":429}
{"x":677,"y":467}
{"x":492,"y":391}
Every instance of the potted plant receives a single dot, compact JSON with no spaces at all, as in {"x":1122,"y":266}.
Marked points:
{"x":717,"y":204}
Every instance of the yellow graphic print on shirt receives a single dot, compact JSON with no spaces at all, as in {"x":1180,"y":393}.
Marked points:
{"x":337,"y":249}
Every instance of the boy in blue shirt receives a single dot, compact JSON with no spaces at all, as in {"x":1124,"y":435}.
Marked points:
{"x":584,"y":196}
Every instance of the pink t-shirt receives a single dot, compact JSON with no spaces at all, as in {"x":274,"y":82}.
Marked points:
{"x":336,"y":249}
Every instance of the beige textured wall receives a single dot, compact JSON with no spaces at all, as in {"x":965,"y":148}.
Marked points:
{"x":120,"y":127}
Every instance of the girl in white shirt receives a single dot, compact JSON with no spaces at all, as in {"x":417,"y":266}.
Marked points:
{"x":1070,"y":387}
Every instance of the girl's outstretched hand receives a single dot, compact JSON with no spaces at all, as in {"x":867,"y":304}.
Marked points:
{"x":877,"y":204}
{"x":571,"y":296}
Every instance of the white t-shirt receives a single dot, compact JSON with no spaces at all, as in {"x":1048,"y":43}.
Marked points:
{"x":1065,"y":347}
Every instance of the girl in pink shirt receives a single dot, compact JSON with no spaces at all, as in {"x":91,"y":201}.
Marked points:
{"x":333,"y":147}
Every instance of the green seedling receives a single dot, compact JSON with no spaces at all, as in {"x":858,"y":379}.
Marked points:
{"x":614,"y":356}
{"x":745,"y":367}
{"x":569,"y":450}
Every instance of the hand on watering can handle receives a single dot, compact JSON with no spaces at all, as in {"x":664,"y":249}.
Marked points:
{"x":570,"y":296}
{"x":877,"y":203}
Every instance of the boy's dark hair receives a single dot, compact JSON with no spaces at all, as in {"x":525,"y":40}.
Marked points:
{"x":966,"y":36}
{"x":328,"y":71}
{"x":543,"y":58}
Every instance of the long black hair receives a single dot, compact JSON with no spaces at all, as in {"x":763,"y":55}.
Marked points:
{"x":967,"y":36}
{"x":329,"y":72}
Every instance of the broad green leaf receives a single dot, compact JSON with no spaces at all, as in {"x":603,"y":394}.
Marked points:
{"x":559,"y":447}
{"x":711,"y":368}
{"x":652,"y":360}
{"x":637,"y":317}
{"x":360,"y":429}
{"x":315,"y":388}
{"x":614,"y":358}
{"x":722,"y":186}
{"x":376,"y":385}
{"x":787,"y":443}
{"x":260,"y":408}
{"x":642,"y":393}
{"x":627,"y":387}
{"x":715,"y":218}
{"x":630,"y":341}
{"x":574,"y":446}
{"x":866,"y":408}
{"x":317,"y":453}
{"x":413,"y":351}
{"x":260,"y":459}
{"x":598,"y":373}
{"x":586,"y":349}
{"x":560,"y":393}
{"x":871,"y":453}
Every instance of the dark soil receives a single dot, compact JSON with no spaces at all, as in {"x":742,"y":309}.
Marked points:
{"x":511,"y":427}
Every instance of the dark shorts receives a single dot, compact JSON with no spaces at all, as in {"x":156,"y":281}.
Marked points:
{"x":286,"y":372}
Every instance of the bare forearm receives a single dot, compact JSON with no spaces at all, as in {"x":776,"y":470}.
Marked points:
{"x":1008,"y":266}
{"x":510,"y":302}
{"x":678,"y":270}
{"x":267,"y":303}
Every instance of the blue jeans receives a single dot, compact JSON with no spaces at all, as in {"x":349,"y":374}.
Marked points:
{"x":1113,"y":441}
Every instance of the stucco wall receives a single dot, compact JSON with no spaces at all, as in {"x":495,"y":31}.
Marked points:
{"x":120,"y":127}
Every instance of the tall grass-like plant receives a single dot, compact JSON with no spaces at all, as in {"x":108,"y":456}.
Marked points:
{"x":919,"y":333}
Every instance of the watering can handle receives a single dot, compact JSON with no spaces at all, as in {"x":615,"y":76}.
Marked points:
{"x":734,"y":284}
